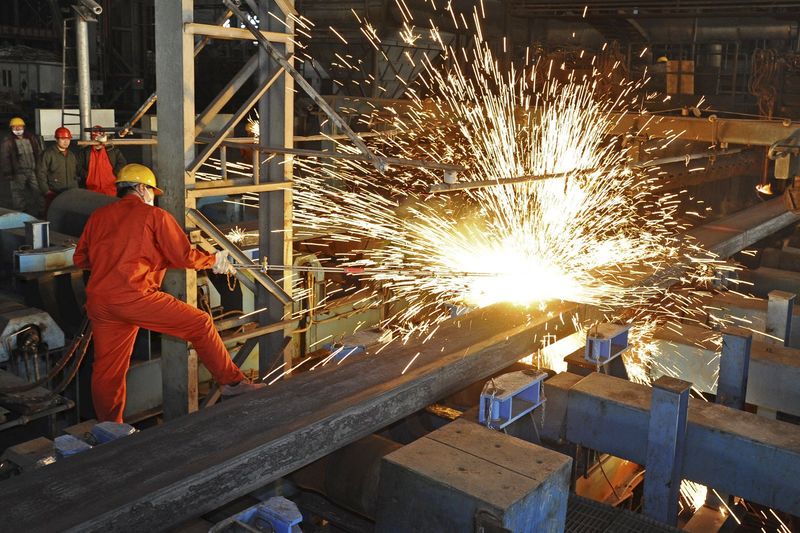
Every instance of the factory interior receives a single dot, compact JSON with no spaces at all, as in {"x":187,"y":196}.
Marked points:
{"x":485,"y":265}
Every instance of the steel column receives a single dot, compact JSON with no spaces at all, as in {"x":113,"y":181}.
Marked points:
{"x":779,"y":315}
{"x":276,"y":128}
{"x":175,"y":87}
{"x":734,"y":365}
{"x":666,"y":441}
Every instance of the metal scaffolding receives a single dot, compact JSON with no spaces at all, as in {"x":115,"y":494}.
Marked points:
{"x":178,"y":161}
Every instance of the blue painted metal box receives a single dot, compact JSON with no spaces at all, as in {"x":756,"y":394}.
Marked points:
{"x":605,"y":342}
{"x":509,"y":397}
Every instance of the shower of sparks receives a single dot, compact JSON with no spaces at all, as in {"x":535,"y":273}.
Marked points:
{"x":587,"y":237}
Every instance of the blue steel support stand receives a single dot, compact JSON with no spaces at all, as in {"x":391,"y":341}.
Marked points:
{"x":779,"y":315}
{"x":666,"y":441}
{"x":734,"y":365}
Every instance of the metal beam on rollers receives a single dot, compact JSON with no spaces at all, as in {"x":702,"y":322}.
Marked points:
{"x":161,"y":477}
{"x":687,"y":352}
{"x":737,"y":452}
{"x":736,"y":232}
{"x":766,"y":279}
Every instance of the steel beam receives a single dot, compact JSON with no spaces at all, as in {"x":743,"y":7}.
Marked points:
{"x":737,"y":452}
{"x":234,"y":34}
{"x":713,"y":130}
{"x":158,"y":478}
{"x":751,"y":311}
{"x":268,"y":283}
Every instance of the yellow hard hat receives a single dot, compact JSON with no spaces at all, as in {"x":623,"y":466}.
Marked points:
{"x":16,"y":121}
{"x":136,"y":173}
{"x":662,"y":59}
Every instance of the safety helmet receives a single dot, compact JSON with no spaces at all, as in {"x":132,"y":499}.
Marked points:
{"x":16,"y":122}
{"x":98,"y":134}
{"x":662,"y":59}
{"x":136,"y":173}
{"x":63,"y":133}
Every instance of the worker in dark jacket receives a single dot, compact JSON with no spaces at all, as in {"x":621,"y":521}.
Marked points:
{"x":58,"y":169}
{"x":100,"y":163}
{"x":128,"y":247}
{"x":19,"y":156}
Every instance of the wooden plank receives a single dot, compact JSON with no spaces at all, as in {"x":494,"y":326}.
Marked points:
{"x":232,"y":34}
{"x":239,"y":189}
{"x":160,"y":477}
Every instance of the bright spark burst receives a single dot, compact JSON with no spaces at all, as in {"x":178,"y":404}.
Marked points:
{"x":586,"y":237}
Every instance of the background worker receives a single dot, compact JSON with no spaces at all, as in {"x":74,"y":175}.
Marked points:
{"x":127,"y":246}
{"x":20,"y":151}
{"x":100,"y":163}
{"x":58,"y":169}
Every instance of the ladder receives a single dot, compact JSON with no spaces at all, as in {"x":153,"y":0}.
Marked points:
{"x":69,"y":77}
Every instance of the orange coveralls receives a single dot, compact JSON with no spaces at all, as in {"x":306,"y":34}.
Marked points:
{"x":128,"y":245}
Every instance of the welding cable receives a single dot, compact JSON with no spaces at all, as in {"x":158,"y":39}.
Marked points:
{"x":59,"y":366}
{"x":81,"y":348}
{"x":87,"y":339}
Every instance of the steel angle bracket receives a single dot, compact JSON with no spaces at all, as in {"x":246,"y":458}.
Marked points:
{"x":212,"y":231}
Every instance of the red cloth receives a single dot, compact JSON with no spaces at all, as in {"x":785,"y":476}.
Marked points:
{"x":100,"y":176}
{"x":128,"y":245}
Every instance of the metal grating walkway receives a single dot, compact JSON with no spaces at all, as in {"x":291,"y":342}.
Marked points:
{"x":588,"y":516}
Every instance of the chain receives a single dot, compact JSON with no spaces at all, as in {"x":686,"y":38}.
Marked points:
{"x":232,"y":282}
{"x":491,"y":405}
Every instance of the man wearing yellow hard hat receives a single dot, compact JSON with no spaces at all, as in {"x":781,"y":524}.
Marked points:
{"x":20,"y":152}
{"x":128,"y":247}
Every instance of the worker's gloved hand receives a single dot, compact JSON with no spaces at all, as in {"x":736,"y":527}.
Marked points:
{"x":223,"y":264}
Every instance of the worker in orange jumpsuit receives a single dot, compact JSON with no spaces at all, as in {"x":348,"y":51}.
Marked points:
{"x":127,"y":246}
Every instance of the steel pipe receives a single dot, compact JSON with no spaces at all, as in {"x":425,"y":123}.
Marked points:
{"x":84,"y":79}
{"x":92,"y":6}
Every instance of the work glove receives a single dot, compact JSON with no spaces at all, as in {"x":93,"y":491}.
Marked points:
{"x":223,"y":265}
